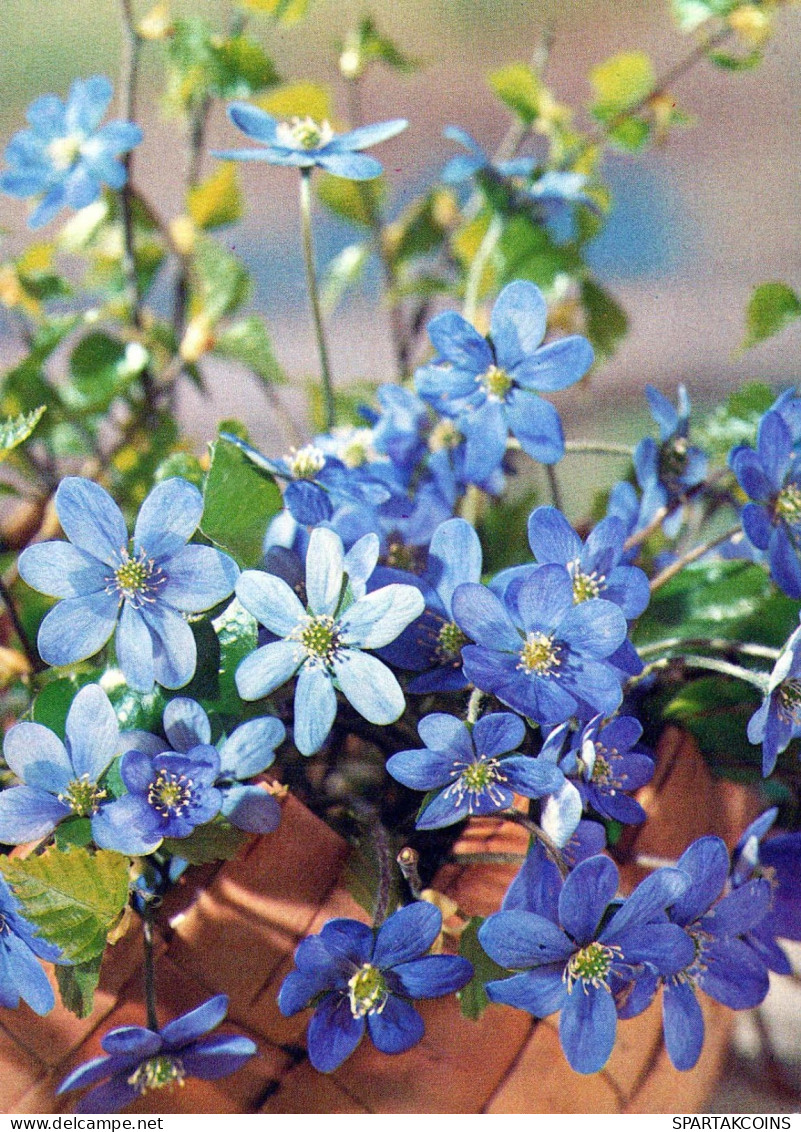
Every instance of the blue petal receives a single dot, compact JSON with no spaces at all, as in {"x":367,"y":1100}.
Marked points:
{"x":325,"y":566}
{"x":365,"y":136}
{"x":587,"y":1028}
{"x":91,"y":519}
{"x":545,"y":599}
{"x":250,"y":808}
{"x":660,"y":890}
{"x":486,"y":432}
{"x":663,"y":412}
{"x":421,"y":770}
{"x":112,"y":1096}
{"x":49,"y":207}
{"x":168,"y":518}
{"x":360,"y":562}
{"x":198,"y":577}
{"x":556,"y":366}
{"x":38,"y":757}
{"x":86,"y":103}
{"x":734,"y":975}
{"x":174,"y":648}
{"x":459,"y":343}
{"x":586,"y":894}
{"x":397,"y":1028}
{"x":707,"y":862}
{"x":77,"y":628}
{"x":308,"y":503}
{"x":497,"y":733}
{"x":517,"y":323}
{"x":28,"y":814}
{"x":131,"y":1040}
{"x":774,"y":446}
{"x":369,"y":685}
{"x":531,"y":777}
{"x":28,"y":976}
{"x":441,"y":732}
{"x":93,"y":733}
{"x":134,"y":647}
{"x":315,"y":708}
{"x":551,"y":537}
{"x":407,"y":934}
{"x":218,"y":1056}
{"x":379,"y":617}
{"x":594,"y":628}
{"x":267,"y":669}
{"x":271,"y":601}
{"x":757,"y":525}
{"x":480,"y":615}
{"x":353,"y":166}
{"x":454,"y":557}
{"x":520,"y":939}
{"x":683,"y":1024}
{"x":251,"y":747}
{"x":120,"y":826}
{"x":197,"y":1022}
{"x":333,"y":1033}
{"x":62,"y":570}
{"x":541,"y":991}
{"x":186,"y":724}
{"x":561,"y":814}
{"x":751,"y":475}
{"x":256,"y":123}
{"x":536,"y":424}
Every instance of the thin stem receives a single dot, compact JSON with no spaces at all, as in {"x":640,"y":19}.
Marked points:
{"x":553,"y":486}
{"x":645,"y":532}
{"x":718,"y":644}
{"x":381,"y":841}
{"x":598,"y":448}
{"x":314,"y":296}
{"x":692,"y":556}
{"x":408,"y":861}
{"x":482,"y":256}
{"x":550,"y":846}
{"x":758,"y":679}
{"x":149,"y":969}
{"x":34,"y":660}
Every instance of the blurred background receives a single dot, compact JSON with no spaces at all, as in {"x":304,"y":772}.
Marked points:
{"x":695,"y":226}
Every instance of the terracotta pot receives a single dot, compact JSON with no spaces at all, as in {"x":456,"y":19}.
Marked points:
{"x":234,"y":930}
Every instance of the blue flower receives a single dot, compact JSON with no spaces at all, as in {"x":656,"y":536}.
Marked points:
{"x":778,"y":861}
{"x":61,"y":780}
{"x":21,"y":975}
{"x":247,"y":751}
{"x":142,"y":1060}
{"x":542,"y":655}
{"x":607,"y":767}
{"x":169,"y":795}
{"x":572,"y":954}
{"x":473,"y":770}
{"x":323,"y":644}
{"x":358,"y":979}
{"x":723,"y":965}
{"x":771,"y":477}
{"x":305,"y":143}
{"x":778,"y":720}
{"x":490,"y":385}
{"x":67,"y":156}
{"x":142,"y":590}
{"x":668,"y":470}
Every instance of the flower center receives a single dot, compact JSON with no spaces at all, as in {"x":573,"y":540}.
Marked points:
{"x":591,"y":965}
{"x":539,"y":655}
{"x":83,"y":796}
{"x":170,"y":794}
{"x":444,"y":435}
{"x":319,"y":638}
{"x":367,"y":991}
{"x":789,"y":696}
{"x":601,"y":771}
{"x":157,"y":1073}
{"x":358,"y":448}
{"x":496,"y":382}
{"x":450,"y":640}
{"x":64,"y":152}
{"x":477,"y":778}
{"x":136,"y":579}
{"x":673,"y":457}
{"x":304,"y":133}
{"x":305,"y":463}
{"x":585,"y":586}
{"x":788,"y":504}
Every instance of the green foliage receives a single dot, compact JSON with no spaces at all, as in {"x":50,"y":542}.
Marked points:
{"x":520,"y":88}
{"x":342,"y":273}
{"x":735,"y":422}
{"x":15,"y":430}
{"x":238,"y":635}
{"x":621,"y":83}
{"x":298,"y":100}
{"x":182,"y":464}
{"x":248,"y":342}
{"x":77,"y":985}
{"x":217,"y":200}
{"x":220,"y":282}
{"x":101,"y":367}
{"x":473,"y":998}
{"x":137,"y":711}
{"x":606,"y":323}
{"x":72,"y":896}
{"x":203,"y":63}
{"x":366,"y":45}
{"x":358,"y":202}
{"x":53,"y":702}
{"x":716,"y":711}
{"x":772,"y":306}
{"x":286,"y":11}
{"x":215,"y":841}
{"x":240,"y":499}
{"x":529,"y":252}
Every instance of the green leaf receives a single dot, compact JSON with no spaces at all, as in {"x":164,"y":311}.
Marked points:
{"x":238,"y":634}
{"x":72,"y":896}
{"x":367,"y":45}
{"x":298,"y":100}
{"x":77,"y":985}
{"x":52,"y":704}
{"x":358,"y":202}
{"x":631,"y":134}
{"x":215,"y":841}
{"x":716,"y":711}
{"x":519,"y":88}
{"x":137,"y":711}
{"x":217,"y":200}
{"x":181,"y":464}
{"x":221,"y":283}
{"x":529,"y":253}
{"x":736,"y":422}
{"x":343,"y":272}
{"x":473,"y":998}
{"x":772,"y":306}
{"x":73,"y":831}
{"x":14,"y":430}
{"x":240,"y":499}
{"x":286,"y":11}
{"x":248,"y":343}
{"x":606,"y":321}
{"x":243,"y":68}
{"x":100,"y":368}
{"x":690,"y":14}
{"x":728,"y":62}
{"x":621,"y":82}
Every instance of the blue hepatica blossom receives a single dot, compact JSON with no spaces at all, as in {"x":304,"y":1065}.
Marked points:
{"x":323,"y":644}
{"x":771,"y":478}
{"x":142,"y":1060}
{"x":66,"y":156}
{"x":777,"y":859}
{"x":571,"y":954}
{"x":59,"y":779}
{"x":359,"y":980}
{"x":304,"y":143}
{"x":143,"y":588}
{"x":247,"y":751}
{"x":541,"y":654}
{"x":21,"y":974}
{"x":169,"y":795}
{"x":722,"y":965}
{"x":475,"y":771}
{"x":607,"y":766}
{"x":778,"y":720}
{"x":491,"y":385}
{"x":667,"y":470}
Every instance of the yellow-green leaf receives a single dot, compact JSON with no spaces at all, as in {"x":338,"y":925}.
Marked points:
{"x":621,"y":82}
{"x":287,"y":11}
{"x":355,"y":201}
{"x":519,"y":88}
{"x":298,"y":100}
{"x":13,"y":430}
{"x":772,"y":306}
{"x":217,"y":200}
{"x":72,"y":896}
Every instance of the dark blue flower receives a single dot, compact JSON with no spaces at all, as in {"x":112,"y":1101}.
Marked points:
{"x":305,"y":143}
{"x":143,"y":589}
{"x":358,"y":979}
{"x":777,"y":860}
{"x":607,"y":766}
{"x":66,"y":156}
{"x":491,"y":385}
{"x":323,"y":644}
{"x":169,"y":795}
{"x":473,"y":769}
{"x":61,"y":780}
{"x":542,"y":655}
{"x":21,"y":974}
{"x":248,"y":750}
{"x":142,"y":1060}
{"x":570,"y":955}
{"x":771,"y":477}
{"x":668,"y":470}
{"x":778,"y":720}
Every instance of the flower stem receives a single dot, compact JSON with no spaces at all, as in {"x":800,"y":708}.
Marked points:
{"x":598,"y":448}
{"x":692,"y":556}
{"x":314,"y":296}
{"x":758,"y":679}
{"x":149,"y":968}
{"x":550,"y":846}
{"x":35,"y":661}
{"x":718,"y":644}
{"x":553,"y":485}
{"x":382,"y":848}
{"x":485,"y":250}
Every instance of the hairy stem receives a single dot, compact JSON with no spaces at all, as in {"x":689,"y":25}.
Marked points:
{"x":149,"y":969}
{"x":314,"y":297}
{"x":692,"y":556}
